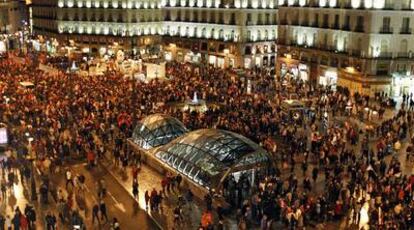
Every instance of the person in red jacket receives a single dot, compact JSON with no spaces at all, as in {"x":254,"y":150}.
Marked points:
{"x":91,"y":158}
{"x":24,"y":223}
{"x":164,"y":184}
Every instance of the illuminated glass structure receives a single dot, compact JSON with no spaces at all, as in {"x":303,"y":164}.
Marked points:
{"x":156,"y":130}
{"x":208,"y":156}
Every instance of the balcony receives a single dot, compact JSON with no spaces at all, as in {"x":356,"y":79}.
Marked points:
{"x":346,"y":27}
{"x":325,"y":25}
{"x":347,"y":6}
{"x":335,"y":26}
{"x":388,"y":7}
{"x":305,"y":23}
{"x":294,"y":23}
{"x":315,"y":24}
{"x":405,"y":31}
{"x":355,"y":53}
{"x":404,"y":55}
{"x":406,"y":7}
{"x":359,"y":28}
{"x":386,"y":30}
{"x":382,"y":72}
{"x":385,"y":55}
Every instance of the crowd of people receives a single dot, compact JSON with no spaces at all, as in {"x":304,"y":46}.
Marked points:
{"x":65,"y":116}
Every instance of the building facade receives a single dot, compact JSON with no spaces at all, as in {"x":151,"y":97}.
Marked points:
{"x":240,"y":33}
{"x":99,"y":24}
{"x":364,"y":45}
{"x":11,"y":16}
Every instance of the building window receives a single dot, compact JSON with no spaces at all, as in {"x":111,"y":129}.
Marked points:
{"x":178,"y":16}
{"x":268,"y":19}
{"x":187,"y":16}
{"x":249,"y":19}
{"x":204,"y":16}
{"x":221,"y":18}
{"x":336,"y":22}
{"x":386,"y":28}
{"x":168,"y":16}
{"x":360,"y":24}
{"x":316,"y":22}
{"x":325,"y":23}
{"x":347,"y":21}
{"x":405,"y":27}
{"x":233,"y":19}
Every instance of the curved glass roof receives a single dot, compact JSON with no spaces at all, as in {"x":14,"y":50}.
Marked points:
{"x":203,"y":155}
{"x":156,"y":130}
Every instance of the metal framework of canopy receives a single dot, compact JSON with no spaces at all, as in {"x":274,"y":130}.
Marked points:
{"x":208,"y":156}
{"x":156,"y":130}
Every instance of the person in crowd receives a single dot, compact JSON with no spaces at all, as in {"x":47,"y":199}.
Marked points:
{"x":51,"y":222}
{"x":135,"y":188}
{"x":102,"y":210}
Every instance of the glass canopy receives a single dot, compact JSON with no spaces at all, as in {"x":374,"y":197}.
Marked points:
{"x":207,"y":155}
{"x":156,"y":130}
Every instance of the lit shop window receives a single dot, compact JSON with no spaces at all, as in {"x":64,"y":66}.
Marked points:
{"x":332,"y":3}
{"x":355,"y":3}
{"x":255,"y":3}
{"x":89,"y":30}
{"x":302,"y":2}
{"x":322,"y":3}
{"x":70,"y":3}
{"x":244,"y":4}
{"x":368,"y":4}
{"x":379,"y":4}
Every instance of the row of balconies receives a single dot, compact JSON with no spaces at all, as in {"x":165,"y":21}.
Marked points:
{"x":348,"y":5}
{"x":106,"y":4}
{"x":390,"y":30}
{"x":324,"y":25}
{"x":351,"y":52}
{"x":231,"y":22}
{"x":107,"y":19}
{"x":218,"y":4}
{"x":166,"y":18}
{"x":346,"y":27}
